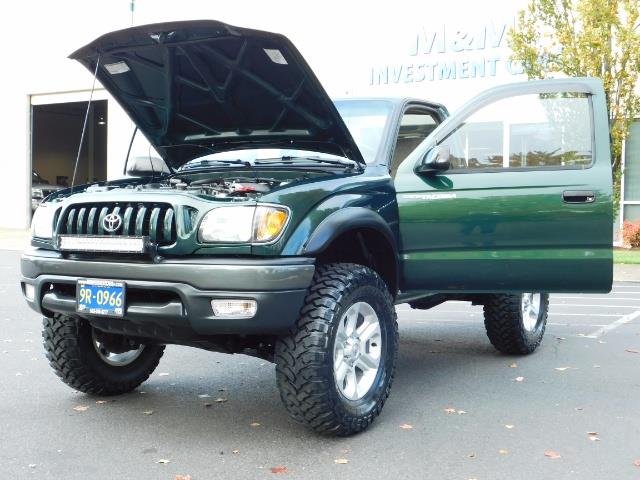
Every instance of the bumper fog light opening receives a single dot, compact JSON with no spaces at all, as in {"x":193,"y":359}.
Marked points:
{"x":234,"y":308}
{"x":30,"y":292}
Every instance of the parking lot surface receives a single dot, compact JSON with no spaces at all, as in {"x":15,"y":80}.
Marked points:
{"x":458,"y":409}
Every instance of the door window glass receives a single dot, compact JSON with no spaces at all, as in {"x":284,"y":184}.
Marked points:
{"x":415,"y":126}
{"x":526,"y":131}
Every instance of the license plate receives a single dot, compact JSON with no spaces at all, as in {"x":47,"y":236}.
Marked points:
{"x":101,"y":297}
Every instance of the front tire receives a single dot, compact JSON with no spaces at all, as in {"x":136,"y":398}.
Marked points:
{"x":515,"y":324}
{"x":335,"y":367}
{"x":86,"y":360}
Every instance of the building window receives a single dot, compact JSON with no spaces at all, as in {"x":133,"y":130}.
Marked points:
{"x":631,"y":201}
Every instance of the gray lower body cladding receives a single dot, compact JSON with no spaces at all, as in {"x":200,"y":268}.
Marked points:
{"x":170,"y":300}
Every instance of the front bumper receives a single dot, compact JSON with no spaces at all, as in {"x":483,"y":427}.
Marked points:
{"x":169,"y":299}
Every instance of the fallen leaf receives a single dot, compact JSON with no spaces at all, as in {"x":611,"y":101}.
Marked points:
{"x":207,"y":405}
{"x":164,"y":461}
{"x":561,"y":369}
{"x":183,"y":477}
{"x":279,"y":470}
{"x":513,"y":365}
{"x":632,"y":350}
{"x":509,"y":426}
{"x":592,"y":433}
{"x":551,"y":454}
{"x":450,"y":410}
{"x":101,"y":402}
{"x":519,"y":379}
{"x":81,"y":408}
{"x":148,"y":412}
{"x":235,"y":452}
{"x":255,"y":424}
{"x":163,"y":374}
{"x":221,"y":400}
{"x":471,"y":455}
{"x":637,"y":463}
{"x":502,"y":451}
{"x":341,"y":461}
{"x":406,"y":426}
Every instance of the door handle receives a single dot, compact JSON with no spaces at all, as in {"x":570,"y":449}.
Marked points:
{"x":578,"y":196}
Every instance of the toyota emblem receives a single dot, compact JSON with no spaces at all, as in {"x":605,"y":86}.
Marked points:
{"x":111,"y":222}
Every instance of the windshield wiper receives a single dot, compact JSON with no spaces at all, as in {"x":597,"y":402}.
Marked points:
{"x":346,"y":163}
{"x":209,"y":163}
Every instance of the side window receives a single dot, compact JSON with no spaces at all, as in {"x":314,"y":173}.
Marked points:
{"x":527,"y":131}
{"x":415,"y":126}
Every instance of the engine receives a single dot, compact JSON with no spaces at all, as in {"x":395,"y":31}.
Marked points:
{"x":237,"y":187}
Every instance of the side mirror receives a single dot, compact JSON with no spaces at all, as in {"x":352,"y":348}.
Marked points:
{"x":435,"y":160}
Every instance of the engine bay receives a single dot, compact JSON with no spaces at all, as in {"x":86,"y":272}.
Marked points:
{"x":220,"y":187}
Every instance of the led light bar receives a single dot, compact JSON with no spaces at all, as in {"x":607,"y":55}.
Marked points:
{"x":102,"y":243}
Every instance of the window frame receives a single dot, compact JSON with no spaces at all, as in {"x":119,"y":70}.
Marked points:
{"x":435,"y":113}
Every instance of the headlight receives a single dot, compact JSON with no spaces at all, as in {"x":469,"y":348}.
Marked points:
{"x":256,"y":224}
{"x":42,"y":221}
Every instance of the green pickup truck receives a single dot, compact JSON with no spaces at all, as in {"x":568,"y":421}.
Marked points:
{"x":270,"y":220}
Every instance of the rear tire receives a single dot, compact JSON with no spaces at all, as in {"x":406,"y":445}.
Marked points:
{"x":74,"y":355}
{"x":515,"y":324}
{"x":335,"y":367}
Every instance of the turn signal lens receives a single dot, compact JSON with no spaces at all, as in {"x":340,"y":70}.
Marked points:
{"x":268,"y":223}
{"x":42,"y":221}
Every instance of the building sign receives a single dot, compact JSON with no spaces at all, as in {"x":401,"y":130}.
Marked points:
{"x":448,"y":53}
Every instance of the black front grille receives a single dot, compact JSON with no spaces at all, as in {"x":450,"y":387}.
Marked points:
{"x":155,"y":220}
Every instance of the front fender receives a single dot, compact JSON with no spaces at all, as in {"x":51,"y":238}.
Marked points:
{"x":343,"y":220}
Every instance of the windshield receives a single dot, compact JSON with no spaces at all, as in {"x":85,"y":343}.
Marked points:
{"x":365,"y":119}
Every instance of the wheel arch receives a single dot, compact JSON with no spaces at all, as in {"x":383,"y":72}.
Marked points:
{"x":357,"y":235}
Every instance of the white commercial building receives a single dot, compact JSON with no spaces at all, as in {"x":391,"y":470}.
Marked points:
{"x":445,"y":52}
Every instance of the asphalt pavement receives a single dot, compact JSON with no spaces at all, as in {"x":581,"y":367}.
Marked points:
{"x":457,"y":410}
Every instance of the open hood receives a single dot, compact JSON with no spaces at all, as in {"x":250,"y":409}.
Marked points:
{"x":202,"y":86}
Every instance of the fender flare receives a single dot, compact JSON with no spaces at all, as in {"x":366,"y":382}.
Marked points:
{"x":343,"y":220}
